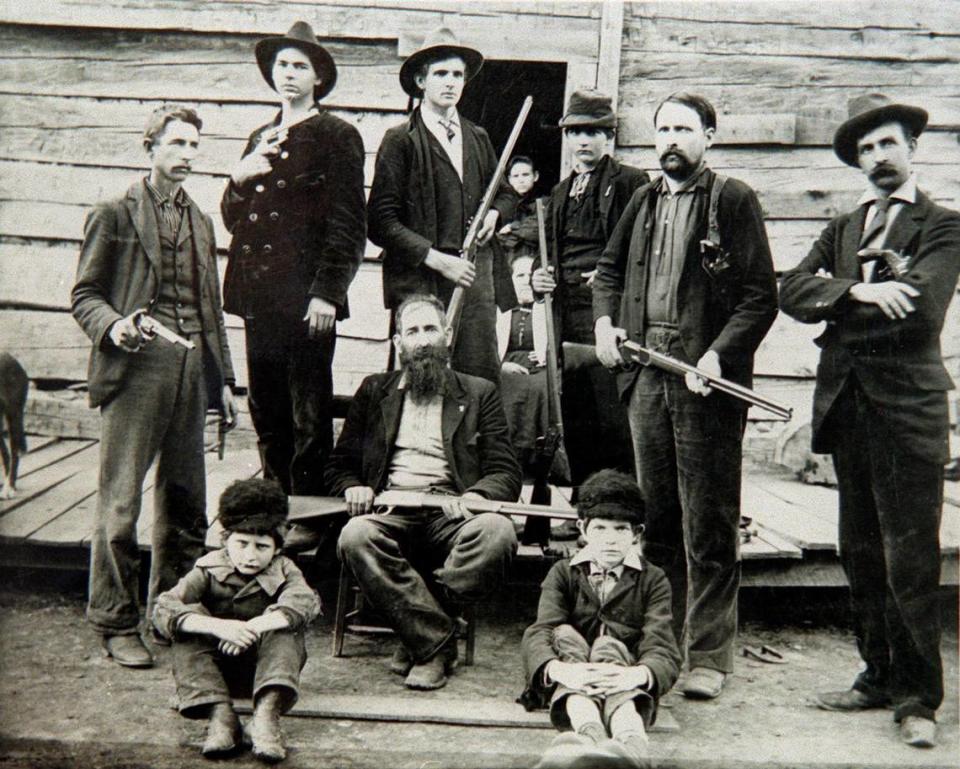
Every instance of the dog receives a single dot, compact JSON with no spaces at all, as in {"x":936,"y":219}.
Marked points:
{"x":14,"y":383}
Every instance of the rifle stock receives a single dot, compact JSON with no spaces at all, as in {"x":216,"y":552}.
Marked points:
{"x":469,"y":248}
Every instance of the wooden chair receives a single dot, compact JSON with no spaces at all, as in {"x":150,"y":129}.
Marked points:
{"x":350,"y":604}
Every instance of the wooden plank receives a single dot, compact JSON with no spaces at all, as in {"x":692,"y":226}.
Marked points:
{"x":608,"y":59}
{"x":48,"y":453}
{"x":792,"y":522}
{"x":37,"y":484}
{"x":51,"y":346}
{"x":438,"y":710}
{"x":635,"y":129}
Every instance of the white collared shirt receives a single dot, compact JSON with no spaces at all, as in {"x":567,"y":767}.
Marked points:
{"x":453,"y":147}
{"x":906,"y":193}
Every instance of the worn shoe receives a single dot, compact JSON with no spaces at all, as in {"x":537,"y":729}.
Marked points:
{"x":570,"y":750}
{"x":632,"y":754}
{"x":223,"y":731}
{"x":849,"y":700}
{"x":703,"y":684}
{"x":433,"y":673}
{"x":401,"y":662}
{"x":126,"y":650}
{"x":918,"y":732}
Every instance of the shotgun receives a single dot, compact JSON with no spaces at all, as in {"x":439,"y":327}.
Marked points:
{"x":468,"y":250}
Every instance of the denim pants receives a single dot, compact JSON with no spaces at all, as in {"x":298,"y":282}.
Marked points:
{"x":688,"y":450}
{"x":206,"y":677}
{"x":291,"y":396}
{"x":570,"y":646}
{"x":890,"y":508}
{"x":157,"y":414}
{"x":465,"y":560}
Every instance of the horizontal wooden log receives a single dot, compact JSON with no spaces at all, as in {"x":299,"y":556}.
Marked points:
{"x":837,"y":32}
{"x":635,"y":128}
{"x":50,"y":345}
{"x":38,"y":276}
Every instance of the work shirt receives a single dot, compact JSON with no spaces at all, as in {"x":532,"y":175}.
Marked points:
{"x":672,"y":230}
{"x":447,"y":131}
{"x":905,"y":194}
{"x":214,"y":588}
{"x":177,"y":305}
{"x":419,"y":461}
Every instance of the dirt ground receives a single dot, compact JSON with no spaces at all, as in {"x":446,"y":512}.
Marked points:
{"x":61,"y":704}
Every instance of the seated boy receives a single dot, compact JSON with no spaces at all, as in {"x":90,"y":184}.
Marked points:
{"x":602,"y":649}
{"x":237,"y":619}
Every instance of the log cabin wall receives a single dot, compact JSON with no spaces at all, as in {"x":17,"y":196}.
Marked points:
{"x":78,"y":77}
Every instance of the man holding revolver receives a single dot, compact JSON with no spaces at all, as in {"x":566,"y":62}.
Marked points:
{"x":151,"y":251}
{"x":882,"y":277}
{"x":425,"y":428}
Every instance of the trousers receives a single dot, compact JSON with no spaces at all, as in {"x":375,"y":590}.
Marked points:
{"x":571,"y":646}
{"x":158,"y":414}
{"x":205,"y":677}
{"x":291,"y":399}
{"x":890,"y":508}
{"x":465,"y":559}
{"x":688,"y":452}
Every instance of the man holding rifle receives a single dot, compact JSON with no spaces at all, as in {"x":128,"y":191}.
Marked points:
{"x":149,"y":263}
{"x":425,"y":429}
{"x":430,"y":178}
{"x":688,"y":272}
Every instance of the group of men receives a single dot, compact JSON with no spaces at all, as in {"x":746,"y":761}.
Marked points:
{"x":680,"y":264}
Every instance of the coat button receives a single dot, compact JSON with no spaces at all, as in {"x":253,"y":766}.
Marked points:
{"x":245,"y":249}
{"x":284,"y":155}
{"x":259,"y":188}
{"x":274,"y":216}
{"x":253,"y":217}
{"x":267,"y":249}
{"x":281,"y":184}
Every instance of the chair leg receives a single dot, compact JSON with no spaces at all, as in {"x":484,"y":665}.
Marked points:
{"x":340,"y":617}
{"x":471,"y":635}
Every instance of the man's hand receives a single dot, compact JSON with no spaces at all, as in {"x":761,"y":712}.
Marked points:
{"x":229,"y":407}
{"x":710,"y":362}
{"x":542,"y":281}
{"x":359,"y":500}
{"x":609,"y":338}
{"x":585,"y":677}
{"x":454,"y":508}
{"x":258,"y":163}
{"x":625,"y":679}
{"x":234,"y":634}
{"x":588,"y":277}
{"x":489,"y":226}
{"x":125,"y":334}
{"x":509,"y":367}
{"x":453,"y":268}
{"x":892,"y":297}
{"x":321,"y":316}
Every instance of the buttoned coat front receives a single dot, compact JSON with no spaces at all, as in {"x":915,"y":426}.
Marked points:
{"x":119,"y":273}
{"x":300,"y":230}
{"x":897,"y":362}
{"x":729,"y":312}
{"x":475,"y":437}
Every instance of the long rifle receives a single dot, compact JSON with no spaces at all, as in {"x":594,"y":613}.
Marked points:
{"x":551,"y":454}
{"x":468,"y":250}
{"x":308,"y":508}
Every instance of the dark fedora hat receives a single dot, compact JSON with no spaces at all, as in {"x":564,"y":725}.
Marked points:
{"x":589,"y":108}
{"x":866,"y":113}
{"x":300,"y":36}
{"x":441,"y":43}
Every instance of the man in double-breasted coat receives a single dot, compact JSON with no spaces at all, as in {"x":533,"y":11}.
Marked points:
{"x":882,"y":277}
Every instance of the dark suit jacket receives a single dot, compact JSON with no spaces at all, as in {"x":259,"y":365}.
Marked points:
{"x":475,"y":438}
{"x":636,"y":612}
{"x":300,"y":230}
{"x":403,"y":210}
{"x":729,"y":313}
{"x":119,"y":272}
{"x":897,"y":362}
{"x":616,"y":186}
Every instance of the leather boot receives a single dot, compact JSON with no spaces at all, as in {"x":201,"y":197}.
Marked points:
{"x":263,"y":730}
{"x":433,"y":673}
{"x":223,"y":731}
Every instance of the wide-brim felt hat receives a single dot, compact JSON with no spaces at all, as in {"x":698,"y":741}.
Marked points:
{"x":300,"y":36}
{"x":589,"y":108}
{"x":441,"y":43}
{"x":866,"y":113}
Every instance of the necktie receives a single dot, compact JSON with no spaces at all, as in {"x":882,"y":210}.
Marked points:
{"x":579,"y":185}
{"x":448,"y":127}
{"x":881,"y":205}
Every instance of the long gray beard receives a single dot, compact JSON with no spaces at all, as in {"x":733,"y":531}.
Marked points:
{"x":425,"y":371}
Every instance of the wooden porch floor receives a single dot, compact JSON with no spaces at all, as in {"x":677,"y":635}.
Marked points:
{"x":793,"y":531}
